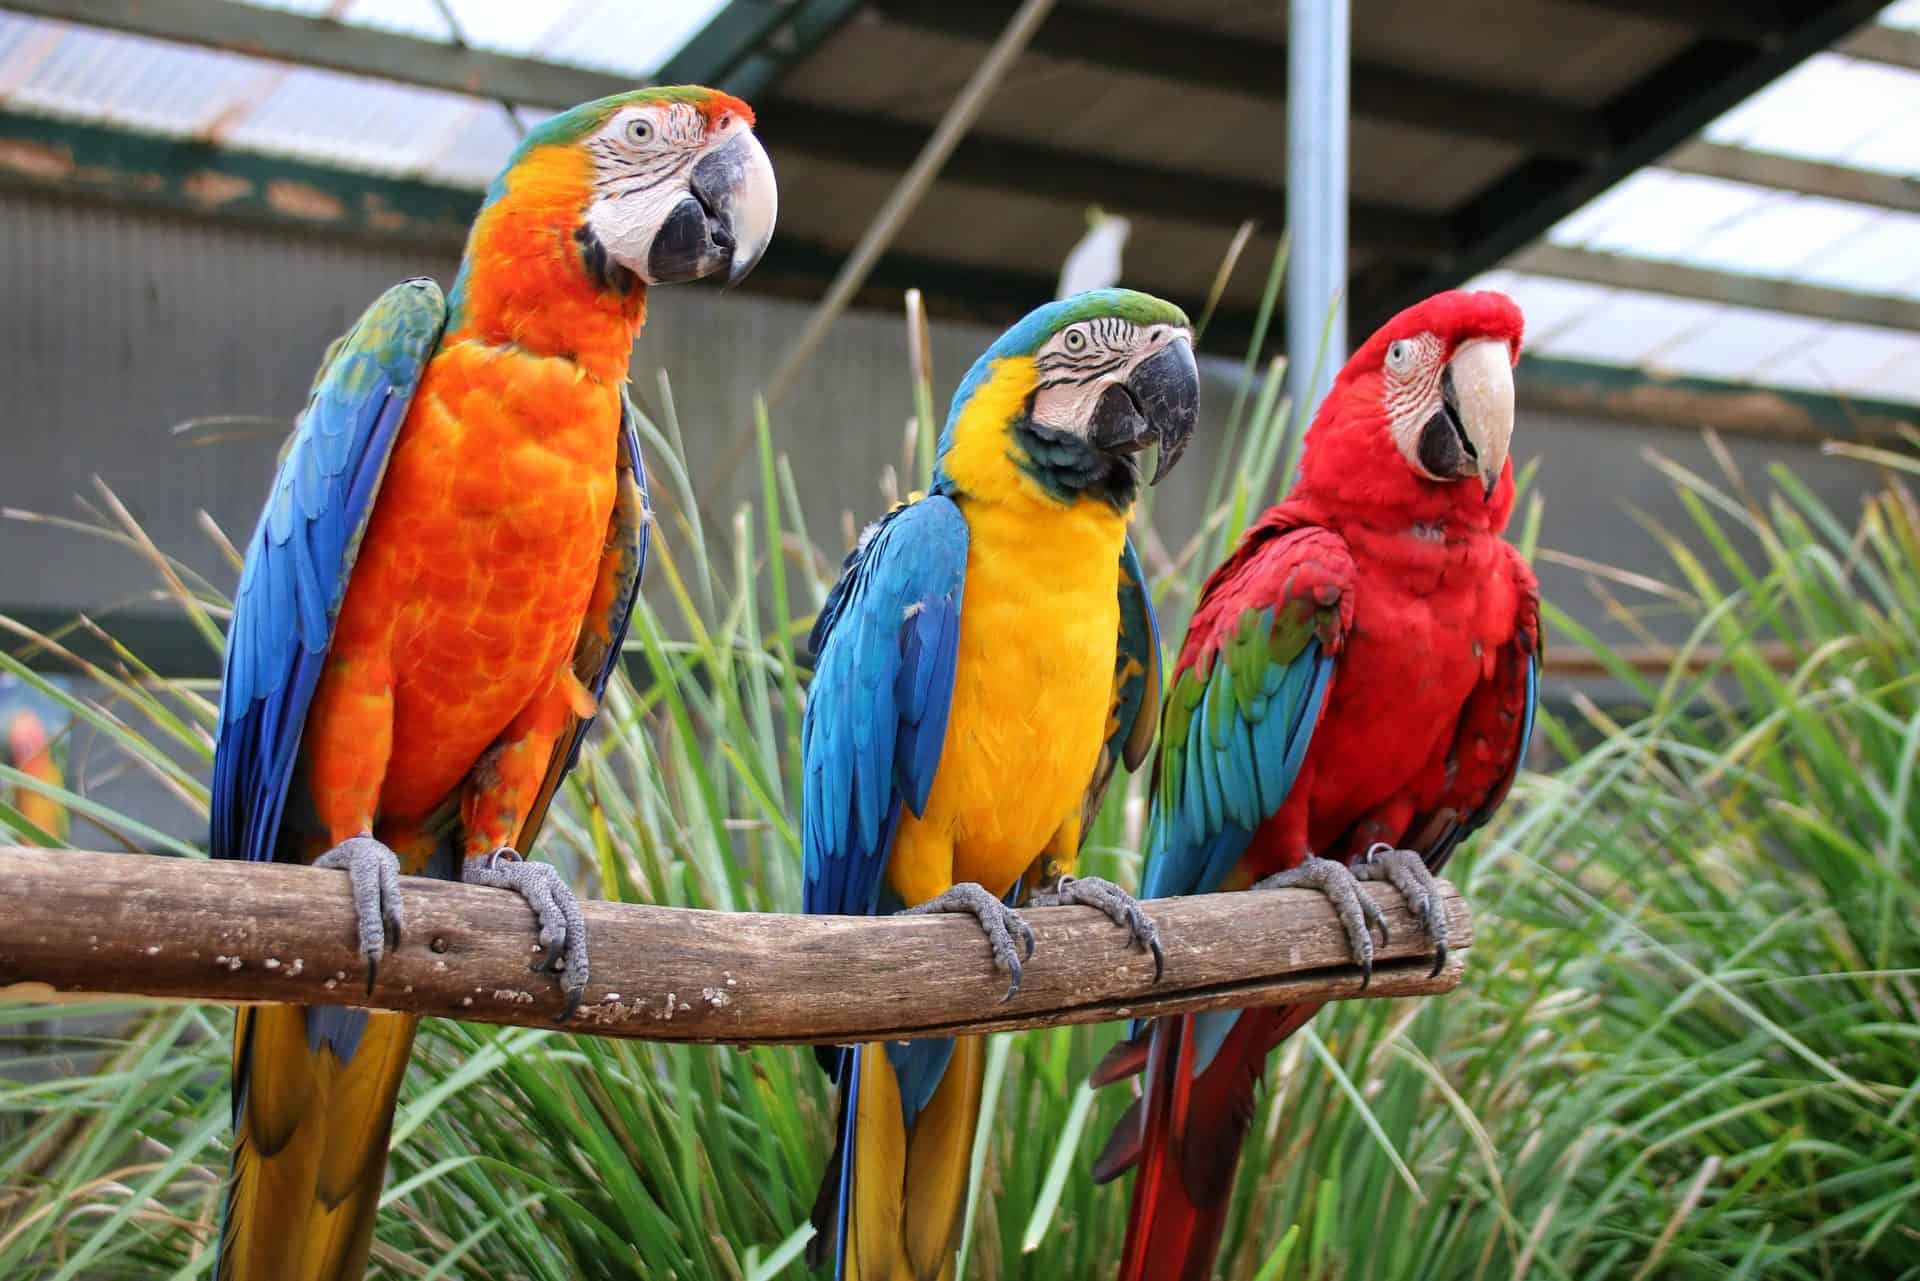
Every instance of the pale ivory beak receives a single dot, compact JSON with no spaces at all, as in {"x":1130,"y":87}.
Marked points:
{"x":1483,"y":384}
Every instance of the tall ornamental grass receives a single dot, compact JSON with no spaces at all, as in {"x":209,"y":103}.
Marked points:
{"x":1688,"y":1044}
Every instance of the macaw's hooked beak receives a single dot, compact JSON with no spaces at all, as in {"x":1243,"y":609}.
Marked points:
{"x":1473,"y":429}
{"x":1159,"y":401}
{"x":725,"y":220}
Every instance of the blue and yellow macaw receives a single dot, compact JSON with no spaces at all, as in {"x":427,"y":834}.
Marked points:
{"x":986,"y":658}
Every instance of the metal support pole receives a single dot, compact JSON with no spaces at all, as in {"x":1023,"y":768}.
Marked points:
{"x":1317,"y":59}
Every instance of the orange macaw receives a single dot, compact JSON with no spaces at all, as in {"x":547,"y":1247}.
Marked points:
{"x":434,"y":600}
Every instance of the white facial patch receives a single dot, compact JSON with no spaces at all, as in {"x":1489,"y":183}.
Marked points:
{"x":1410,"y":390}
{"x":642,"y":159}
{"x":1080,"y":362}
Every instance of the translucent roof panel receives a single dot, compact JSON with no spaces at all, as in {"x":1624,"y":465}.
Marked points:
{"x":1672,"y":336}
{"x":1629,"y":329}
{"x":1730,"y":226}
{"x":1879,"y":258}
{"x":624,"y":37}
{"x":102,"y":77}
{"x":1902,"y":13}
{"x":1835,"y":109}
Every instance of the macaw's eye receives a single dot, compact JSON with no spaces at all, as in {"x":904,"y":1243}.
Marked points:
{"x":1075,"y":342}
{"x":1399,"y":356}
{"x":639,"y":131}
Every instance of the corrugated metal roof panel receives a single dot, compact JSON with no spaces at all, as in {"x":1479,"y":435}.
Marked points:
{"x":370,"y":125}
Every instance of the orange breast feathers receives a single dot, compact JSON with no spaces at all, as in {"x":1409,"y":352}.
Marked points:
{"x":473,"y":578}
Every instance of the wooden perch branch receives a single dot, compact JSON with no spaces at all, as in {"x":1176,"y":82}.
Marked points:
{"x":142,"y":925}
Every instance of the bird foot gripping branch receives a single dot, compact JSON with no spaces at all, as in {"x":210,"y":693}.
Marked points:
{"x":1358,"y":913}
{"x":1407,"y":871}
{"x":1000,"y":923}
{"x":563,"y":929}
{"x":1122,"y":909}
{"x":373,"y":871}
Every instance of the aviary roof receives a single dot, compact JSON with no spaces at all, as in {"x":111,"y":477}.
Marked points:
{"x":1833,"y":109}
{"x":1631,"y":169}
{"x":356,"y":122}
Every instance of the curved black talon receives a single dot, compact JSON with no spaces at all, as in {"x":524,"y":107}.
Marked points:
{"x":562,"y":927}
{"x":1407,"y":871}
{"x":1122,"y":909}
{"x":373,"y":872}
{"x":1358,"y":912}
{"x":998,"y":922}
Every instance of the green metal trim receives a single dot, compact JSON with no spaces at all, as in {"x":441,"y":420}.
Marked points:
{"x":717,"y":47}
{"x":810,"y":23}
{"x":1744,"y":409}
{"x":185,"y":175}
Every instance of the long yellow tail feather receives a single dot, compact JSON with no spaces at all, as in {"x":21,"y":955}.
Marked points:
{"x":310,"y":1149}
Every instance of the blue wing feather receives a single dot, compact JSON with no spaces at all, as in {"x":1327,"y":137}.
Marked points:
{"x":301,"y":555}
{"x":885,"y":649}
{"x":1138,"y":702}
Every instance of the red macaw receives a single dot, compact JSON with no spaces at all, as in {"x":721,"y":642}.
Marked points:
{"x":435,"y":599}
{"x":1354,"y":695}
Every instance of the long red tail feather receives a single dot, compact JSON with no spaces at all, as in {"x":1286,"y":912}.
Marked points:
{"x":1190,"y":1139}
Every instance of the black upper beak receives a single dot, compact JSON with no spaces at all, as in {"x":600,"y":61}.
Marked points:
{"x":724,"y":222}
{"x":1446,"y":450}
{"x":1160,"y":402}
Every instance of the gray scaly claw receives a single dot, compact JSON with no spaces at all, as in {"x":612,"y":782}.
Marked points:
{"x":1000,"y":923}
{"x":563,"y":928}
{"x":374,"y":873}
{"x":1121,"y":908}
{"x":1407,"y":871}
{"x":1357,"y":911}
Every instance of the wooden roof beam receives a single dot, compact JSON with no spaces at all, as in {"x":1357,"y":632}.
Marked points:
{"x":1760,"y":22}
{"x":1192,"y":55}
{"x":1889,"y":46}
{"x":880,"y":143}
{"x":1792,"y":173}
{"x":1661,"y":110}
{"x":735,"y":35}
{"x":1705,"y":284}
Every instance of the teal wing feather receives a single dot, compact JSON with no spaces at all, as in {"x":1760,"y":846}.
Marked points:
{"x":1245,"y":697}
